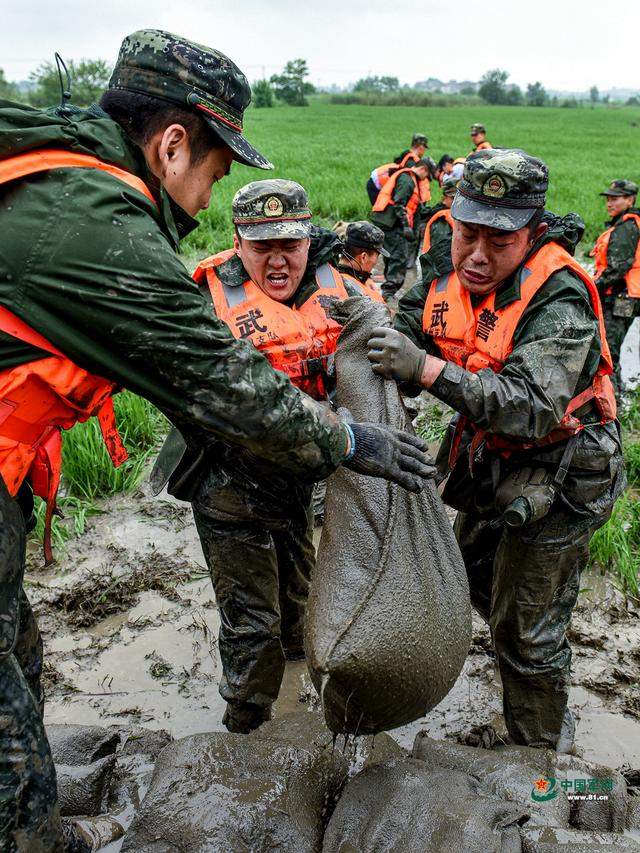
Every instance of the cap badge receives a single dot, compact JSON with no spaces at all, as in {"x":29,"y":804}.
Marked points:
{"x":494,"y":187}
{"x":273,"y":206}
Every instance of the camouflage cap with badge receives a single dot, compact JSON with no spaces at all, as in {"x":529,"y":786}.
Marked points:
{"x":478,"y":128}
{"x":166,"y":66}
{"x":621,"y":187}
{"x":366,"y":235}
{"x":501,"y":189}
{"x":272,"y":210}
{"x":419,"y":139}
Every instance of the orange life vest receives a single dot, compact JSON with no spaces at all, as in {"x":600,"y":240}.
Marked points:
{"x":385,"y":196}
{"x":599,"y":254}
{"x":441,"y":214}
{"x":298,"y":341}
{"x":481,"y":336}
{"x":41,"y":397}
{"x":367,"y":288}
{"x":381,"y":175}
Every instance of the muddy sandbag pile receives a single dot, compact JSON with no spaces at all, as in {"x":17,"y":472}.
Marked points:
{"x":388,"y":623}
{"x":452,"y":797}
{"x":271,"y":790}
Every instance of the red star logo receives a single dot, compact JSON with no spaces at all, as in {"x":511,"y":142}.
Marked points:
{"x":541,"y":785}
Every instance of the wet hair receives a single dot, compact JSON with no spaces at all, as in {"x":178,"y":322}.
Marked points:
{"x":142,"y":116}
{"x":446,"y":158}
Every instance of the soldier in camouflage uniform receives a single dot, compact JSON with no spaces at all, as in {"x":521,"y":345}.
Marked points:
{"x":410,"y":156}
{"x":255,"y":521}
{"x":89,"y":263}
{"x":618,"y":266}
{"x":399,"y":233}
{"x":479,"y":137}
{"x":529,"y":491}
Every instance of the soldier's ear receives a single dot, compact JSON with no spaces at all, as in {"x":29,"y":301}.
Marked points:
{"x":539,"y":233}
{"x":236,"y":242}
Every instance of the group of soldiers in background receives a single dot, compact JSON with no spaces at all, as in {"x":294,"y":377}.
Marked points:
{"x":400,"y":194}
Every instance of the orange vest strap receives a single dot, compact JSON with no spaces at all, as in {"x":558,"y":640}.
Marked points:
{"x":44,"y":159}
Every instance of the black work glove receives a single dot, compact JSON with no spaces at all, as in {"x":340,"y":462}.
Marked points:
{"x":394,"y":356}
{"x":382,"y":451}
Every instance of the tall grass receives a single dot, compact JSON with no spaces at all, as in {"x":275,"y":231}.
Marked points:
{"x":616,"y":546}
{"x":87,"y":471}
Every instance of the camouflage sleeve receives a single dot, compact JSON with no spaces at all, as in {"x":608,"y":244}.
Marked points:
{"x":122,"y":305}
{"x":442,"y":234}
{"x":620,"y":255}
{"x":555,"y":355}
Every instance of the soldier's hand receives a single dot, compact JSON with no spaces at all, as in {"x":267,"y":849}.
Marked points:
{"x":394,"y":356}
{"x":408,"y":233}
{"x":382,"y":451}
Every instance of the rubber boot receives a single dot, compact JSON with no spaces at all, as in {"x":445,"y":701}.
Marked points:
{"x":567,"y":734}
{"x":244,"y":717}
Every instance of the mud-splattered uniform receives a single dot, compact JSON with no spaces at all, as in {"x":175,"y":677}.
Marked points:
{"x":91,"y":265}
{"x":393,"y":221}
{"x":525,"y":580}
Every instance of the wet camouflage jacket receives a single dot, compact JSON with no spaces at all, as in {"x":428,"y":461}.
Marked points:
{"x":555,"y":355}
{"x":620,"y":253}
{"x":91,"y":264}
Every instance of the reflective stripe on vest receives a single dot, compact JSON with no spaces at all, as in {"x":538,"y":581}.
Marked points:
{"x":599,"y":254}
{"x":441,"y":214}
{"x":481,"y":336}
{"x":50,"y":393}
{"x":367,"y":288}
{"x":385,"y":195}
{"x":298,"y":340}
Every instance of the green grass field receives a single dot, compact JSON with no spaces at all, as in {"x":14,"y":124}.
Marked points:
{"x":331,"y":150}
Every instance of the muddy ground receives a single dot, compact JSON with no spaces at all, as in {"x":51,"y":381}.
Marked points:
{"x":130,"y":626}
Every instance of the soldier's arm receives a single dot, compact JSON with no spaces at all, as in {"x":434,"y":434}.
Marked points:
{"x":620,"y":254}
{"x":122,"y":305}
{"x":555,"y":355}
{"x":441,"y":235}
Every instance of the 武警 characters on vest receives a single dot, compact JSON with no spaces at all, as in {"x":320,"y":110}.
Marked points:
{"x":616,"y":256}
{"x":363,"y":245}
{"x":511,"y":336}
{"x":274,"y":290}
{"x":479,"y":138}
{"x":99,"y":302}
{"x":395,"y":211}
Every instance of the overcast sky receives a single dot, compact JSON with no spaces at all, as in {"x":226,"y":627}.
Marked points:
{"x":566,"y":44}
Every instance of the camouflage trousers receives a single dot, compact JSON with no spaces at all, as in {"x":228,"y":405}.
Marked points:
{"x":260,"y":573}
{"x":29,"y":813}
{"x":395,"y":266}
{"x":524,"y":582}
{"x":617,"y":328}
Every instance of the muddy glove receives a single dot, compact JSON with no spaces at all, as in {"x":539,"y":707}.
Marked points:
{"x":379,"y":450}
{"x":394,"y":356}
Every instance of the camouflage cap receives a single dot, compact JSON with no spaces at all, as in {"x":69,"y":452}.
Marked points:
{"x":621,"y":187}
{"x":449,"y":187}
{"x":366,"y":235}
{"x":163,"y":65}
{"x":501,"y":188}
{"x":419,"y":139}
{"x":272,"y":210}
{"x":478,"y":128}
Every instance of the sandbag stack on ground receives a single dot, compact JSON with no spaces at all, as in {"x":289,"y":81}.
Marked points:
{"x":388,"y":623}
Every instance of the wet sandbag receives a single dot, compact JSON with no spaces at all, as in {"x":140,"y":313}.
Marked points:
{"x":548,"y":839}
{"x":270,"y":790}
{"x":71,"y":744}
{"x":83,"y":788}
{"x":606,"y":815}
{"x":507,"y":771}
{"x":388,"y":622}
{"x":402,"y":806}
